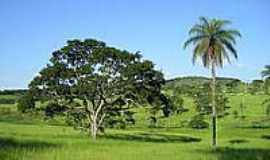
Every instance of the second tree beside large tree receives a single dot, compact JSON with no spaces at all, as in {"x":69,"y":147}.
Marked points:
{"x":214,"y":44}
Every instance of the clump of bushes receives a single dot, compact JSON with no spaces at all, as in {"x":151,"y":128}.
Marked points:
{"x":54,"y":108}
{"x":260,"y":124}
{"x":26,"y":103}
{"x":198,"y":122}
{"x":266,"y":137}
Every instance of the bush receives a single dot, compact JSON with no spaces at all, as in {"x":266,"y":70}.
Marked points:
{"x":198,"y":122}
{"x":26,"y":103}
{"x":54,"y":108}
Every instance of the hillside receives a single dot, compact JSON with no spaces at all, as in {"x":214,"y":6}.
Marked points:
{"x":188,"y":82}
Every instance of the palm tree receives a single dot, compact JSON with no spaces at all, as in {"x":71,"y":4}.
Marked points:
{"x":214,"y":43}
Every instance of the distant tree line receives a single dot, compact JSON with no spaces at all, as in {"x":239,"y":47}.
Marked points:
{"x":11,"y":96}
{"x":13,"y":91}
{"x":188,"y":85}
{"x":7,"y":101}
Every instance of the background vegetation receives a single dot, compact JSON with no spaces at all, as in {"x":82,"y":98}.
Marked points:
{"x":33,"y":136}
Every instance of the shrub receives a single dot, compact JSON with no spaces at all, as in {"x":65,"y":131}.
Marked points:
{"x":26,"y":103}
{"x":198,"y":122}
{"x":54,"y":108}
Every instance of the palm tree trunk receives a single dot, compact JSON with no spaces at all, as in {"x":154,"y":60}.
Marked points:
{"x":214,"y":112}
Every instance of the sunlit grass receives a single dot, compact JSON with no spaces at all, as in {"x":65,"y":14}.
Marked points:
{"x":38,"y":140}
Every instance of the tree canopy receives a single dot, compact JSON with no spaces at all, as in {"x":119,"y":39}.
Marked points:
{"x":97,"y":83}
{"x":213,"y":41}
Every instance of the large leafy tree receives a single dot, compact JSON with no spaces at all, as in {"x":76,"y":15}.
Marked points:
{"x":213,"y":43}
{"x":96,"y":84}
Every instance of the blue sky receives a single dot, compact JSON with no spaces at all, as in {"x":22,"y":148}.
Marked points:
{"x":31,"y":29}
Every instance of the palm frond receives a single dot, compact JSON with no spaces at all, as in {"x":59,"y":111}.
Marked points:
{"x":196,"y":29}
{"x":217,"y":23}
{"x":226,"y":56}
{"x":221,"y":54}
{"x":199,"y":50}
{"x":213,"y":42}
{"x":196,"y":53}
{"x":204,"y":21}
{"x":230,"y":47}
{"x":194,"y":40}
{"x":234,"y":32}
{"x":266,"y":71}
{"x":206,"y":60}
{"x":226,"y":35}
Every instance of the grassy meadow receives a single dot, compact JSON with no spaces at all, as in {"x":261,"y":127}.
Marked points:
{"x":29,"y":137}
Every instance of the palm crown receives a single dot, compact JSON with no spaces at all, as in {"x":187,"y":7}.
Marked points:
{"x":212,"y":41}
{"x":266,"y":71}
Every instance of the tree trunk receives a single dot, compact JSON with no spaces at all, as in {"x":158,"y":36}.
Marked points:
{"x":214,"y":112}
{"x":94,"y":129}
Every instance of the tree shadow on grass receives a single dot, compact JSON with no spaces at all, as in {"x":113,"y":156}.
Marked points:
{"x":9,"y":146}
{"x":238,"y":141}
{"x":152,"y":137}
{"x":267,"y":137}
{"x":228,"y":153}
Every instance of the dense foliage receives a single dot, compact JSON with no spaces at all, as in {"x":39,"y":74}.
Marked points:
{"x":161,"y":103}
{"x":188,"y":85}
{"x":198,"y":122}
{"x":26,"y":103}
{"x":13,"y":92}
{"x":203,"y":103}
{"x":256,"y":87}
{"x":97,"y":84}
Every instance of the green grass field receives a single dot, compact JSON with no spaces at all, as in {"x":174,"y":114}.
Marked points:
{"x":24,"y":137}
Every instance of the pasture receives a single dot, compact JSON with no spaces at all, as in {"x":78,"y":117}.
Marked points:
{"x":29,"y":137}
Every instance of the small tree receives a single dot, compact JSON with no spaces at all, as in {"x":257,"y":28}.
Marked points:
{"x":232,"y":85}
{"x":242,"y":108}
{"x":266,"y":85}
{"x":266,"y":103}
{"x":167,"y":104}
{"x":256,"y":87}
{"x":235,"y":114}
{"x":105,"y":83}
{"x":203,"y":99}
{"x":26,"y":103}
